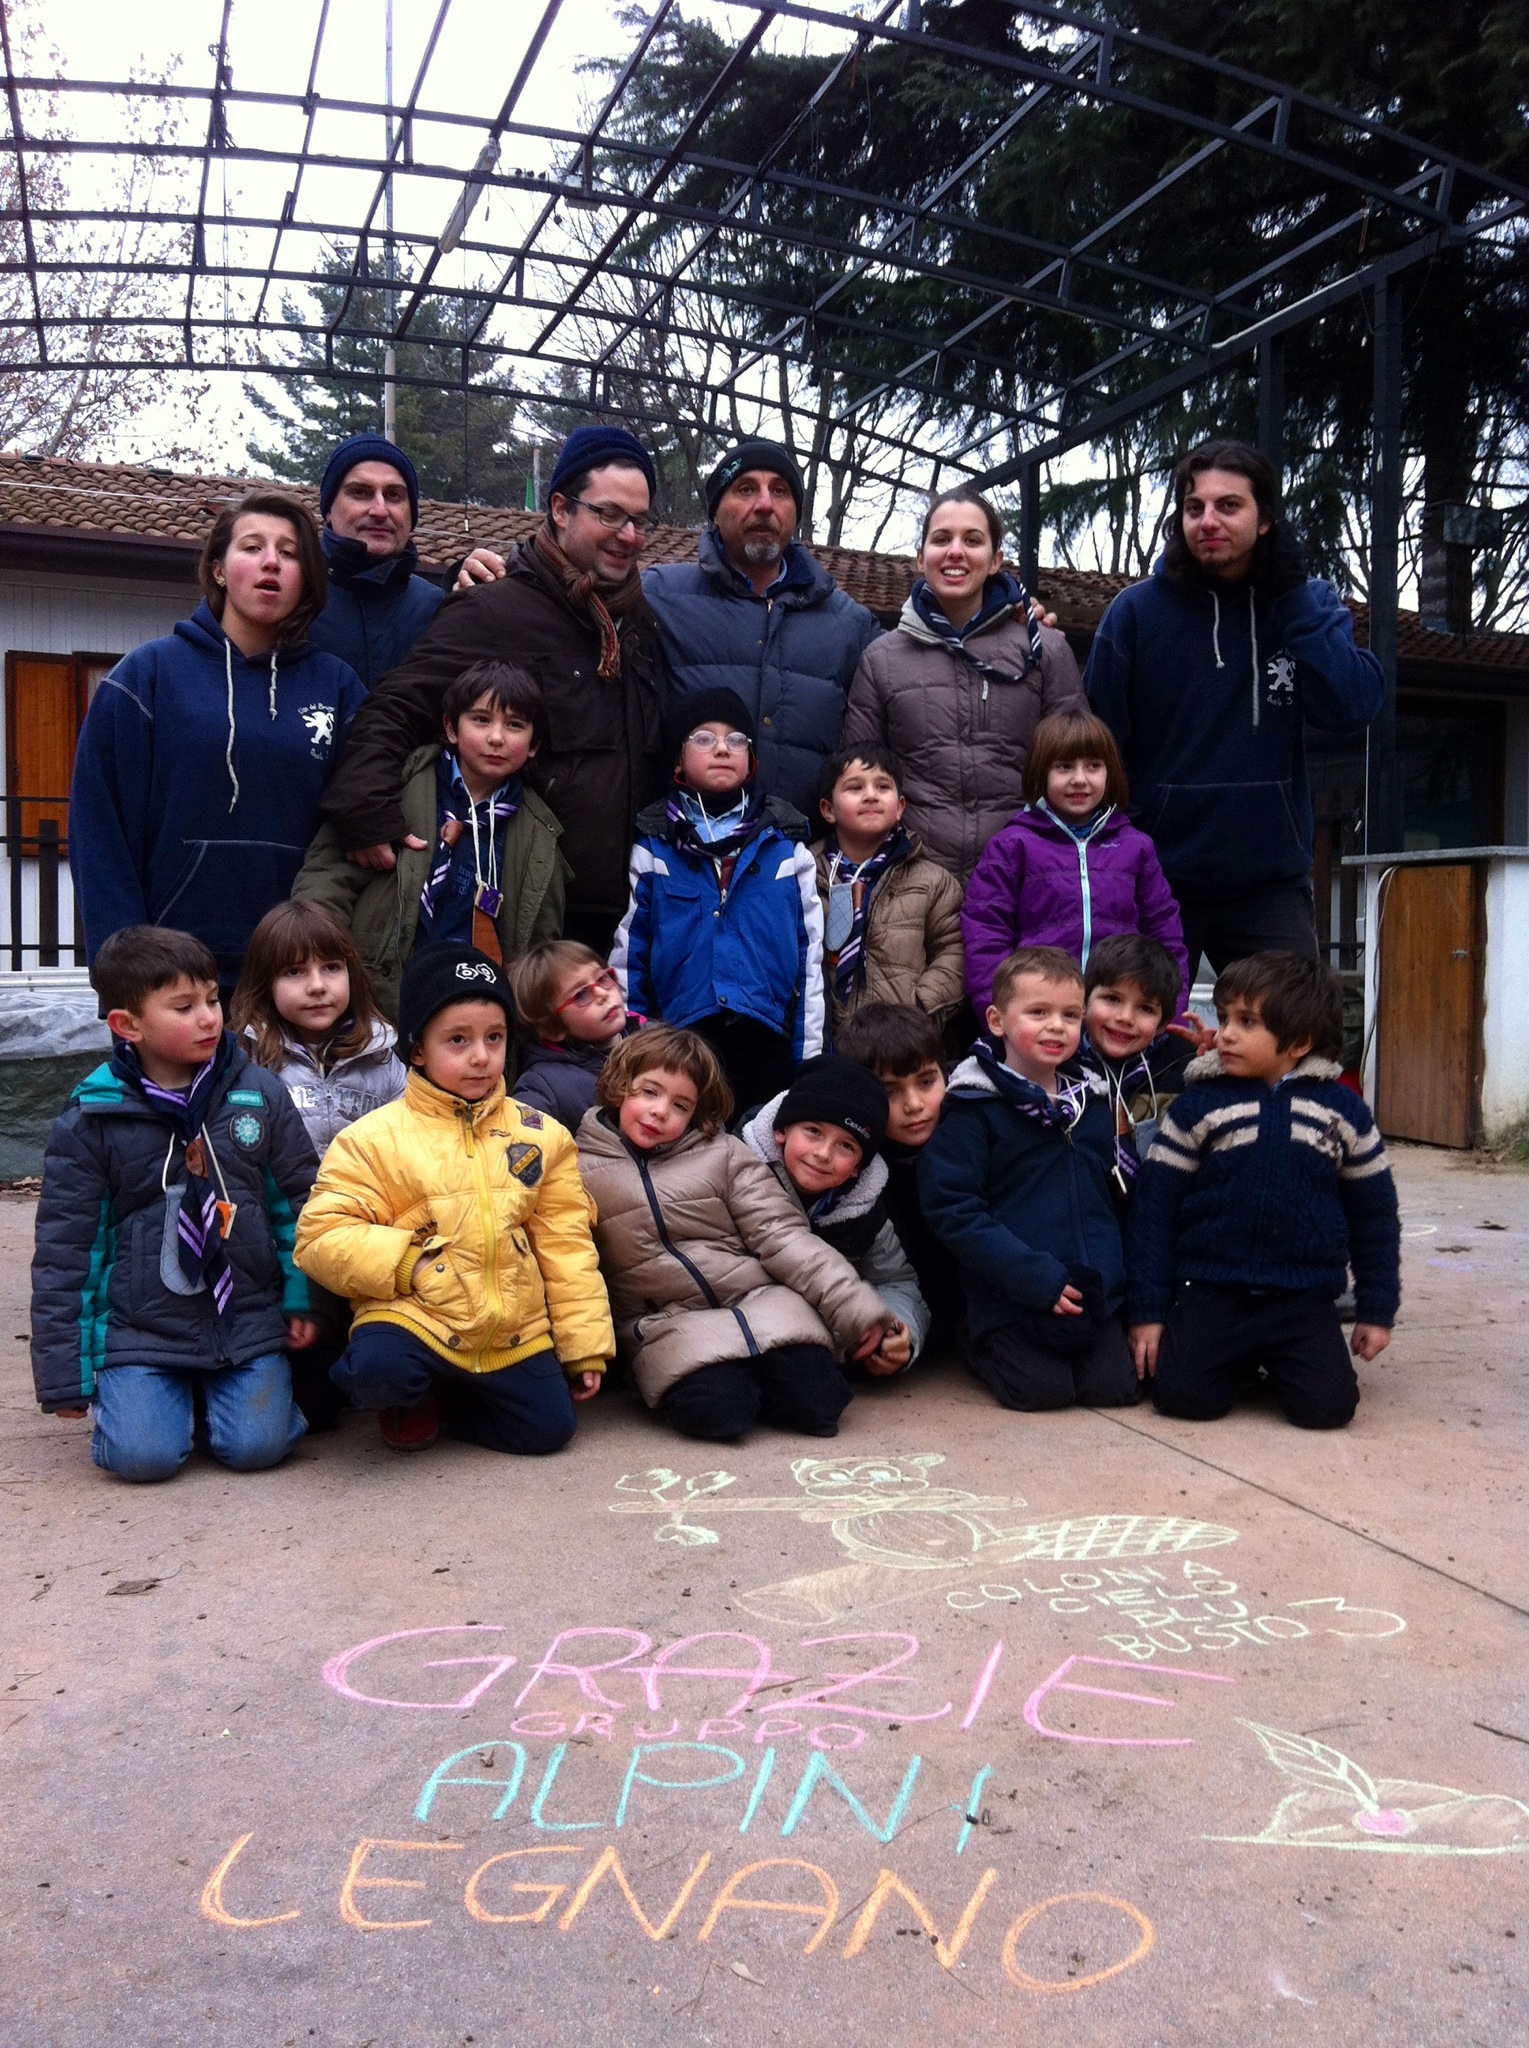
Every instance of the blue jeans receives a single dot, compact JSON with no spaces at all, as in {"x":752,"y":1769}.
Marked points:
{"x":523,"y":1408}
{"x":144,"y":1416}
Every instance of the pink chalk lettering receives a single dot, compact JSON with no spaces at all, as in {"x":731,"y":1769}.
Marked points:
{"x":847,"y":1681}
{"x":550,"y":1667}
{"x":337,"y":1671}
{"x":1059,"y":1682}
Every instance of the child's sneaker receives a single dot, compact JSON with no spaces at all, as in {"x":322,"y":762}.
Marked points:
{"x":410,"y":1429}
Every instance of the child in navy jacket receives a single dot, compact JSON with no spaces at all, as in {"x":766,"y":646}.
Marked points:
{"x":1267,"y":1178}
{"x":724,"y":933}
{"x":1015,"y":1183}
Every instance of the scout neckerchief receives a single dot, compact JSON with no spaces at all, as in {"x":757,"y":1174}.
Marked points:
{"x":849,"y":904}
{"x":717,"y":836}
{"x":204,"y":1220}
{"x":487,"y":818}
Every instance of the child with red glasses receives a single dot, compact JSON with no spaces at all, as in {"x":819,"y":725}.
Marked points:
{"x":572,"y":1013}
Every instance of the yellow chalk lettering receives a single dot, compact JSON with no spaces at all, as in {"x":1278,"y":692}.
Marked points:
{"x":610,"y":1862}
{"x":212,"y":1894}
{"x":1022,"y":1977}
{"x":889,"y":1883}
{"x":350,"y":1913}
{"x":731,"y":1900}
{"x":553,"y":1892}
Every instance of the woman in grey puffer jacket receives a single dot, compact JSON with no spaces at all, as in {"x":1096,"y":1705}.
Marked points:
{"x":957,"y":691}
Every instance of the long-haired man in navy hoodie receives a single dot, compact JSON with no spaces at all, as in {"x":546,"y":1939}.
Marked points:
{"x":1205,"y":673}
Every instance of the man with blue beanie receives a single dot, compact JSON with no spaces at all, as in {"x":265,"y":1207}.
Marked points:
{"x":757,"y":614}
{"x":378,"y":606}
{"x":570,"y":609}
{"x":1205,"y":674}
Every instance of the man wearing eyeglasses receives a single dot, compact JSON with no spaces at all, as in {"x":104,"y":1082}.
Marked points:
{"x":756,"y":614}
{"x":570,"y":608}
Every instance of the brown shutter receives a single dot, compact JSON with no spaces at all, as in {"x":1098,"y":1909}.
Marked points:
{"x":42,"y":724}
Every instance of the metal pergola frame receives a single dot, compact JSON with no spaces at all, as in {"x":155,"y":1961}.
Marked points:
{"x":1400,"y":202}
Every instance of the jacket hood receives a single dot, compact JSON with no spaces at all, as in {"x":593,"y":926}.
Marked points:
{"x":599,"y":1137}
{"x":654,"y":821}
{"x":425,"y":1098}
{"x":1208,"y":1067}
{"x":205,"y":634}
{"x":856,"y":1198}
{"x":981,"y":1074}
{"x":382,"y":1038}
{"x":1001,"y":595}
{"x":806,"y":582}
{"x":1041,"y":820}
{"x":103,"y":1093}
{"x":567,"y":1052}
{"x":352,"y":563}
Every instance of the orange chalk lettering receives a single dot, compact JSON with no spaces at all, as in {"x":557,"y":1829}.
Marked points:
{"x":553,"y":1892}
{"x":947,"y":1953}
{"x":1021,"y":1977}
{"x":610,"y":1862}
{"x":350,"y":1913}
{"x":731,"y":1900}
{"x":212,"y":1894}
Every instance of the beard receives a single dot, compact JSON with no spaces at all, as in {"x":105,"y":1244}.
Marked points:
{"x":761,"y":549}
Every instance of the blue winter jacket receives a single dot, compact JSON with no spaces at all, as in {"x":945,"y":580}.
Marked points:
{"x":1252,"y":1186}
{"x":1205,"y":690}
{"x":376,"y":610}
{"x":790,"y":655}
{"x":197,"y":782}
{"x":1019,"y":1191}
{"x":686,"y":950}
{"x":107,"y":1288}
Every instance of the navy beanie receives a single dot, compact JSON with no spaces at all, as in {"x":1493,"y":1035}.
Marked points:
{"x":435,"y":977}
{"x":749,"y":455}
{"x":593,"y":447}
{"x":833,"y":1090}
{"x":701,"y":707}
{"x":367,"y":448}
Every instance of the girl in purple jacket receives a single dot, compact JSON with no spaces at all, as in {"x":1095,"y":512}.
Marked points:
{"x":1068,"y":869}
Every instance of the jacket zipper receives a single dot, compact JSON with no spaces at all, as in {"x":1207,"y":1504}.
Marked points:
{"x":485,"y":1220}
{"x":679,"y":1257}
{"x":1088,"y":901}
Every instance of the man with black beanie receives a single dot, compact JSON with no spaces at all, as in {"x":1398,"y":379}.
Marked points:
{"x":755,"y":613}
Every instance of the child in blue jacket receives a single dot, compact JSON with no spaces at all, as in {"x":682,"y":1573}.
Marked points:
{"x":1015,"y":1183}
{"x":724,"y":933}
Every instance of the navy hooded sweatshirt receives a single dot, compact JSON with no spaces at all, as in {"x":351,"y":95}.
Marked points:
{"x":1205,"y":689}
{"x":197,"y":783}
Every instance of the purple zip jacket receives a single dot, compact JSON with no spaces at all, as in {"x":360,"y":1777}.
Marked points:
{"x":1041,"y":882}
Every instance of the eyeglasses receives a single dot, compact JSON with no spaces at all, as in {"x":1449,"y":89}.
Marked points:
{"x":604,"y":984}
{"x":613,"y":518}
{"x":707,"y":742}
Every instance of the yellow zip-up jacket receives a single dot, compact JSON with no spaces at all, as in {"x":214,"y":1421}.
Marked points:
{"x":491,"y":1190}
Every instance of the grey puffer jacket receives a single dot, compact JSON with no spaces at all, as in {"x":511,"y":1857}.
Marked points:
{"x":708,"y":1260}
{"x":353,"y":1087}
{"x":858,"y":1226}
{"x":960,"y":737}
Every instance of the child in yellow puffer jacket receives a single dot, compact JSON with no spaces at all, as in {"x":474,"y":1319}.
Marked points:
{"x":456,"y":1224}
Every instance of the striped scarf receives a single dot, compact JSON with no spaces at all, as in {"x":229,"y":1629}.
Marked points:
{"x":456,"y":815}
{"x":847,"y":956}
{"x":1004,"y":593}
{"x":600,"y":604}
{"x":199,"y":1244}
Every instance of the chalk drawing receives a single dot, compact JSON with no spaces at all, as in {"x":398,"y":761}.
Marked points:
{"x":1340,"y":1806}
{"x":904,"y":1535}
{"x":1204,"y":1614}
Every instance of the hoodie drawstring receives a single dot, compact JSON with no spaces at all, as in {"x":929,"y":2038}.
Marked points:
{"x":1253,"y":630}
{"x":1215,"y":630}
{"x":273,"y":683}
{"x":228,"y":756}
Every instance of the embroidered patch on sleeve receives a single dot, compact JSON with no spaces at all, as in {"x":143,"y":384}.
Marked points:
{"x":246,"y":1131}
{"x":531,"y":1118}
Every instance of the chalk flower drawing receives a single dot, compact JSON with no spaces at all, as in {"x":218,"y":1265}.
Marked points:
{"x":893,"y":1522}
{"x":1341,"y":1806}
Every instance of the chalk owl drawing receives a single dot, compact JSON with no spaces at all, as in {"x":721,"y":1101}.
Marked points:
{"x":1340,"y":1806}
{"x":319,"y":719}
{"x":903,"y":1534}
{"x":1281,"y":674}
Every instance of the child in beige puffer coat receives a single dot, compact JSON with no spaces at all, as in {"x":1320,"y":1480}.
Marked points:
{"x":728,"y":1306}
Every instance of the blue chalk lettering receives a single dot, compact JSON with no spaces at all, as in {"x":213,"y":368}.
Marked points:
{"x":818,"y":1767}
{"x":441,"y":1776}
{"x":637,"y":1776}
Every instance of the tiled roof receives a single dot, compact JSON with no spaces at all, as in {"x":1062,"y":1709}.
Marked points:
{"x":122,"y":501}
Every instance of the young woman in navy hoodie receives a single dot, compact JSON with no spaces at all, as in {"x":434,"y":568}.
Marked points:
{"x":203,"y":755}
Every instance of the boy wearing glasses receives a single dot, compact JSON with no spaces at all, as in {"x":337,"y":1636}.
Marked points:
{"x":724,"y":931}
{"x":572,"y":1012}
{"x":481,"y":867}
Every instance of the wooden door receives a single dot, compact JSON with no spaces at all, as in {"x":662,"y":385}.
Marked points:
{"x":1428,"y":1035}
{"x":42,"y":723}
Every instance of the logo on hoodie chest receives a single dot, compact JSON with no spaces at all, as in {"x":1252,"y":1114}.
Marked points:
{"x":1280,"y":672}
{"x":319,"y":719}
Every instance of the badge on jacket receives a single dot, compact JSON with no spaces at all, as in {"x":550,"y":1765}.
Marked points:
{"x":525,"y":1163}
{"x":246,"y":1131}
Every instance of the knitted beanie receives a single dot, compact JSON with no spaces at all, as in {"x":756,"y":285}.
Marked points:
{"x":593,"y":447}
{"x":437,"y":976}
{"x":705,"y":707}
{"x":833,"y":1090}
{"x":747,"y":455}
{"x":367,"y":448}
